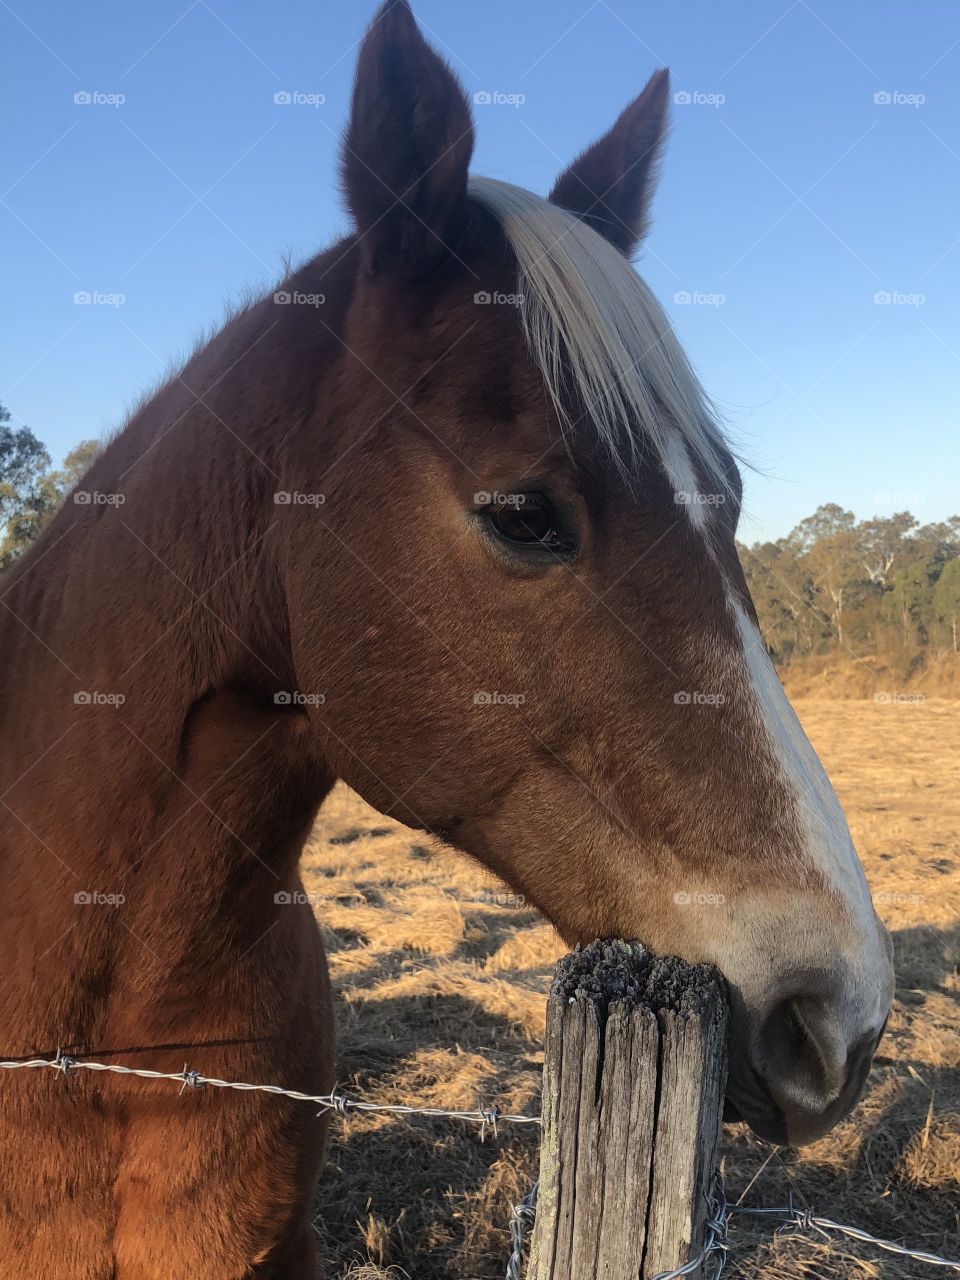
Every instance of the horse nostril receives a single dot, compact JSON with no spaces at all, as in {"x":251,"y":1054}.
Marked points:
{"x":806,"y":1061}
{"x":797,"y":1071}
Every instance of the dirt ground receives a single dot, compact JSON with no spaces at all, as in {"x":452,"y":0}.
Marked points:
{"x":441,"y":977}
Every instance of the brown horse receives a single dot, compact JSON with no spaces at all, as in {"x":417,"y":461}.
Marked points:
{"x":448,"y":518}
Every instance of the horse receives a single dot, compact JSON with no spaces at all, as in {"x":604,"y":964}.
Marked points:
{"x":447,"y":517}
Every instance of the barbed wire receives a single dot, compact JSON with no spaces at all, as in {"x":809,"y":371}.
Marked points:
{"x":521,"y":1220}
{"x":341,"y":1103}
{"x":716,"y":1243}
{"x":524,"y":1214}
{"x":807,"y":1220}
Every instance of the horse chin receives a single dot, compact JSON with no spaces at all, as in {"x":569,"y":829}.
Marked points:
{"x":766,"y":1120}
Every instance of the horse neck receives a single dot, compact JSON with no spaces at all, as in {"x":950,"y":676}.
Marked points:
{"x":162,"y":600}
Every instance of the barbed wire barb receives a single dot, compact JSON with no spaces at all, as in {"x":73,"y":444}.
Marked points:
{"x":715,"y":1237}
{"x":521,"y":1220}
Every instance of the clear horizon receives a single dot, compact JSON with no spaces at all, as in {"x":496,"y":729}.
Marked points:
{"x":804,"y":240}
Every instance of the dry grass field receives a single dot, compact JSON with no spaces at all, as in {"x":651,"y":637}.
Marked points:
{"x":441,"y":979}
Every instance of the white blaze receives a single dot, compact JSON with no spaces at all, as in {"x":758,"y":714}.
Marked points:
{"x":683,"y":479}
{"x":826,"y":836}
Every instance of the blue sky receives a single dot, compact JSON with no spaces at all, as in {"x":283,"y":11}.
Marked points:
{"x":790,"y":199}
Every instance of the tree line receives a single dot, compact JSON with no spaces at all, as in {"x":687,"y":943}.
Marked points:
{"x":888,"y":586}
{"x":30,"y":488}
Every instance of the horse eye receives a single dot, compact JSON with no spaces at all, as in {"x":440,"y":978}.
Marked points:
{"x":525,"y":518}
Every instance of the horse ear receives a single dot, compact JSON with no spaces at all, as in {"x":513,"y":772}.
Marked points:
{"x":407,"y":147}
{"x":611,"y":184}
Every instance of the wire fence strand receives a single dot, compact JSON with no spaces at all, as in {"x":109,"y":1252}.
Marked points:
{"x":341,"y":1103}
{"x":716,"y":1242}
{"x":716,"y":1239}
{"x":521,"y":1220}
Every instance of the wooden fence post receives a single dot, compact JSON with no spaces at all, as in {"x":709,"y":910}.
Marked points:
{"x":633,"y":1083}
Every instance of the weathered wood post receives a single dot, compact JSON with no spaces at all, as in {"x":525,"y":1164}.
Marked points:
{"x":633,"y":1083}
